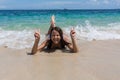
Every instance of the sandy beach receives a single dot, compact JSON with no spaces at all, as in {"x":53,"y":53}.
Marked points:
{"x":97,"y":60}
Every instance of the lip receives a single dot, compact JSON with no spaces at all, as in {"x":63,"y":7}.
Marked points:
{"x":56,"y":41}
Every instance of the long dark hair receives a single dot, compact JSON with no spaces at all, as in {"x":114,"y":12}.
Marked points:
{"x":62,"y":42}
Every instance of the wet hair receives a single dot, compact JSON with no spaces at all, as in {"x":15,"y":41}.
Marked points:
{"x":62,"y":42}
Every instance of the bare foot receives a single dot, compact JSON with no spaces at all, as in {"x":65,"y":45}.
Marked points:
{"x":53,"y":20}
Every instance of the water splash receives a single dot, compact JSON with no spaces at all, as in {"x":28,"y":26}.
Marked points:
{"x":25,"y":38}
{"x":90,"y":32}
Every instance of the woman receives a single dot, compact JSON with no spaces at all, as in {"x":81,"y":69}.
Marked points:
{"x":56,"y":40}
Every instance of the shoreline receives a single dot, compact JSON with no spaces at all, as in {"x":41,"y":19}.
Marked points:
{"x":96,"y":60}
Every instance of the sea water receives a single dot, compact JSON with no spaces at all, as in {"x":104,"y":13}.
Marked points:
{"x":17,"y":27}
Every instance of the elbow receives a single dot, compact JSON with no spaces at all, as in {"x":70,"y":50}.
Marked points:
{"x":33,"y":52}
{"x":75,"y":50}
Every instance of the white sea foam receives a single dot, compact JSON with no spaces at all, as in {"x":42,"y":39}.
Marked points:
{"x":15,"y":39}
{"x":89,"y":32}
{"x":25,"y":39}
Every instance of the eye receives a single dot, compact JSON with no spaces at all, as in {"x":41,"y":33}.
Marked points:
{"x":53,"y":35}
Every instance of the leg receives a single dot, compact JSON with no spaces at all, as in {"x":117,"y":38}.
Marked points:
{"x":52,"y":25}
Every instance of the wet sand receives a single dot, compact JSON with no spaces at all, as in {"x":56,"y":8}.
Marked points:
{"x":97,"y":60}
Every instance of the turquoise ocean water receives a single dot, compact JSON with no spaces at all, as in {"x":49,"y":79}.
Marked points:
{"x":17,"y":26}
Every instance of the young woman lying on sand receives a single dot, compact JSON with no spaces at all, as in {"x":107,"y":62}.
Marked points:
{"x":56,"y":39}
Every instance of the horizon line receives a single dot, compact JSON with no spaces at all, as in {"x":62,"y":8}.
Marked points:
{"x":64,"y":9}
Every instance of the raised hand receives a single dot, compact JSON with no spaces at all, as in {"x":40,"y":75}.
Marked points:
{"x":72,"y":33}
{"x":37,"y":34}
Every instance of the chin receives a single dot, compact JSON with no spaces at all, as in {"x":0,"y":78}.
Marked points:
{"x":56,"y":43}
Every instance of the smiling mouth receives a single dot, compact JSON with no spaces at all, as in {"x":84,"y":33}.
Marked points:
{"x":56,"y":41}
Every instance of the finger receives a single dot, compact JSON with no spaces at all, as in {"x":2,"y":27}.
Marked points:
{"x":35,"y":31}
{"x":73,"y":32}
{"x":72,"y":28}
{"x":39,"y":31}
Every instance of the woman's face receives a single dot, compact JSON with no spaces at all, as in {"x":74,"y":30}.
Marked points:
{"x":55,"y":37}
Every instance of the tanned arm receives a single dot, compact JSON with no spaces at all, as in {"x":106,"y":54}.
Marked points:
{"x":35,"y":46}
{"x":73,"y":46}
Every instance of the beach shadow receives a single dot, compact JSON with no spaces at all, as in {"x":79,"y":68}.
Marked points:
{"x":51,"y":51}
{"x":45,"y":51}
{"x":54,"y":50}
{"x":29,"y":53}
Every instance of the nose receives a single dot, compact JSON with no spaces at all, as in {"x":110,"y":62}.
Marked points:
{"x":55,"y":36}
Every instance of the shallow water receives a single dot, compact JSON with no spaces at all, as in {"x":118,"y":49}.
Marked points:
{"x":17,"y":26}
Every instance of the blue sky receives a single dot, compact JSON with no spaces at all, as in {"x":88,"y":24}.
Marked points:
{"x":59,"y":4}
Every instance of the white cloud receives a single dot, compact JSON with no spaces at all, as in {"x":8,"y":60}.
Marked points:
{"x":59,"y":4}
{"x":94,"y":0}
{"x":106,"y":2}
{"x":117,"y":2}
{"x":2,"y":7}
{"x":1,"y":1}
{"x":62,"y":3}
